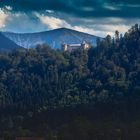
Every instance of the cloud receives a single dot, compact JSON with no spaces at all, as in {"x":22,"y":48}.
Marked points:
{"x":8,"y":8}
{"x":111,"y":7}
{"x":19,"y":21}
{"x":79,"y":8}
{"x":50,"y":11}
{"x":3,"y":17}
{"x":99,"y":27}
{"x":52,"y":22}
{"x":42,"y":21}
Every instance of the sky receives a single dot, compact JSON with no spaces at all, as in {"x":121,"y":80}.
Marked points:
{"x":97,"y":17}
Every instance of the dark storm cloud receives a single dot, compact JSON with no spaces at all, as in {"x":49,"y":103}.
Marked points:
{"x":80,"y":8}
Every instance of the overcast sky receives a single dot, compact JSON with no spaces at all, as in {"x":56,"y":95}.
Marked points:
{"x":98,"y":17}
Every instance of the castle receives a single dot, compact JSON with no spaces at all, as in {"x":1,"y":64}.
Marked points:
{"x":73,"y":47}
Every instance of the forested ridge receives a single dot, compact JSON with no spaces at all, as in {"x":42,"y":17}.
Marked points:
{"x":42,"y":79}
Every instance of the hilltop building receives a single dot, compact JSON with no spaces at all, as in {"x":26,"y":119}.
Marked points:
{"x":73,"y":47}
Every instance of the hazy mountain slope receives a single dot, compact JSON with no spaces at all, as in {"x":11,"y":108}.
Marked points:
{"x":6,"y":44}
{"x":54,"y":38}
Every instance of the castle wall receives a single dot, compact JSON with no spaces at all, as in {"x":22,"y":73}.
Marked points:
{"x":73,"y":47}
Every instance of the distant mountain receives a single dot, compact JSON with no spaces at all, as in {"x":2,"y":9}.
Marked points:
{"x":54,"y":38}
{"x":6,"y":44}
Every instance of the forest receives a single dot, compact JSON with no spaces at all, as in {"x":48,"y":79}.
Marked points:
{"x":83,"y":95}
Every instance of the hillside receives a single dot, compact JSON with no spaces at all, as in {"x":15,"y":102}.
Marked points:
{"x":83,"y":95}
{"x":53,"y":78}
{"x":6,"y":44}
{"x":54,"y":38}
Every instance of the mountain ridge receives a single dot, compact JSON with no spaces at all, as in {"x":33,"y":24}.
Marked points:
{"x":63,"y":28}
{"x":54,"y":38}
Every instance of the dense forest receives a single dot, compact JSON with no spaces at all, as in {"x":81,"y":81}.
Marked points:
{"x":99,"y":88}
